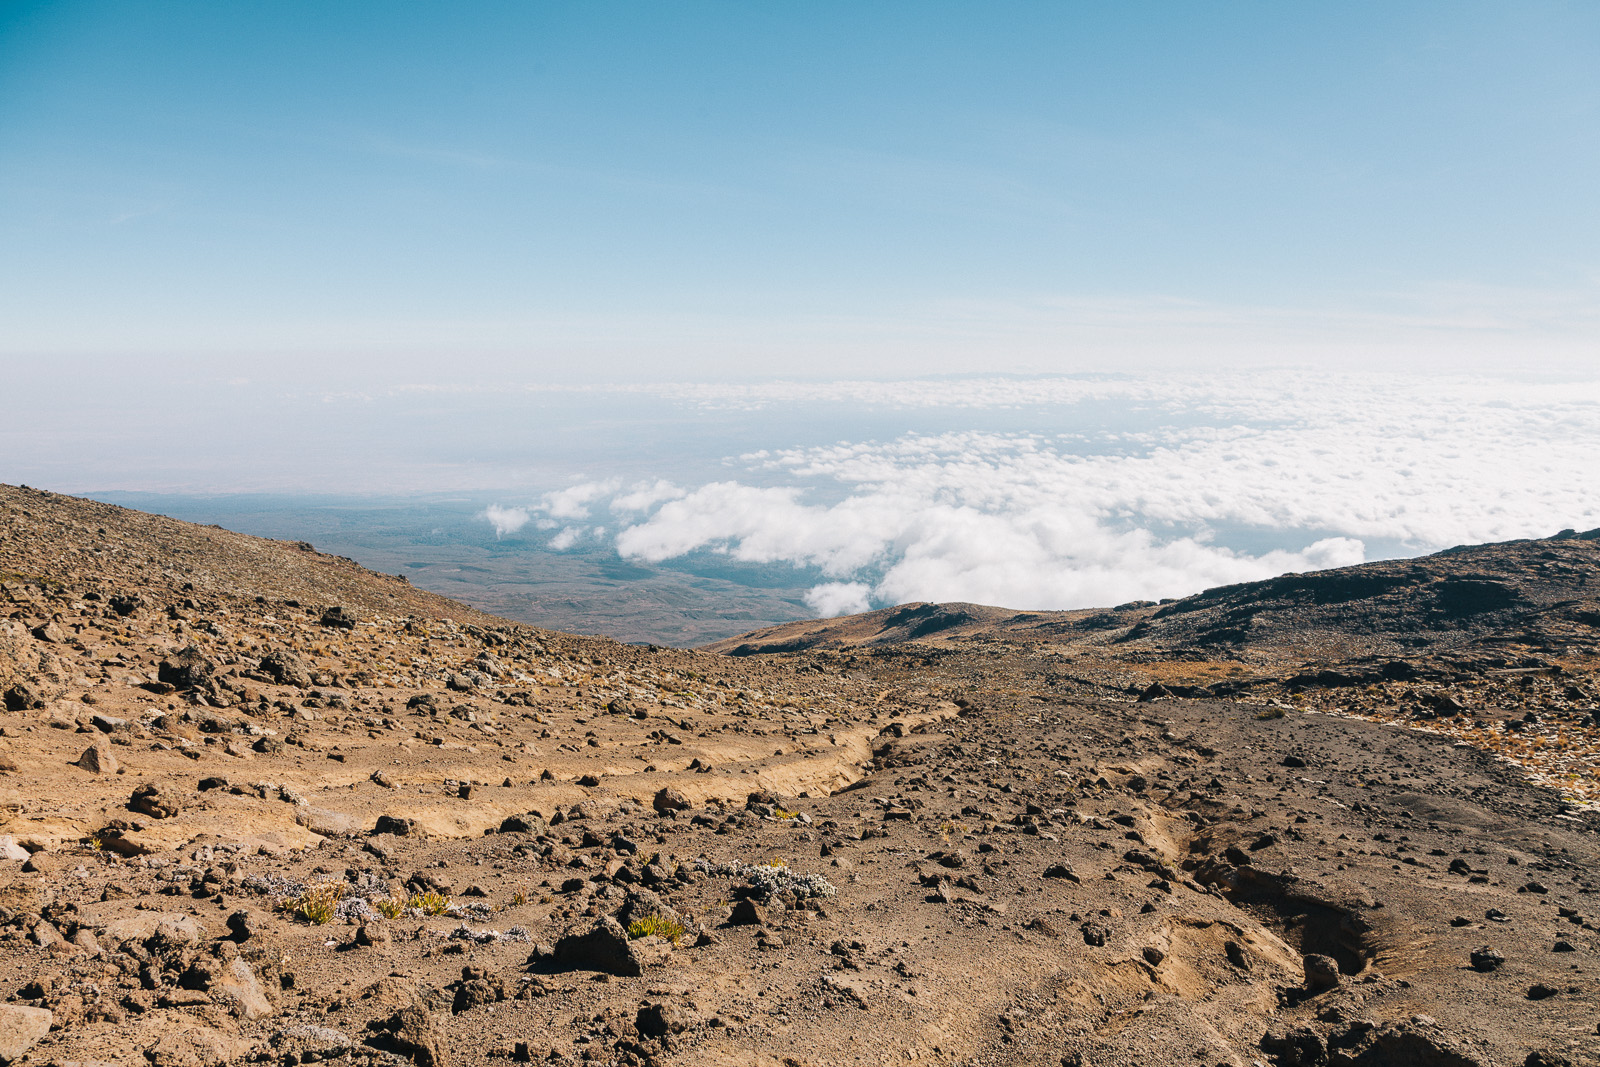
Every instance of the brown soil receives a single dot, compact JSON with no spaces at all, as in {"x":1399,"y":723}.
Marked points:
{"x":959,"y":835}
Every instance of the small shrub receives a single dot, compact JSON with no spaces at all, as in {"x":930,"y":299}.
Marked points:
{"x":429,"y":903}
{"x":390,"y":907}
{"x":518,"y":899}
{"x":1270,"y":713}
{"x":319,"y":903}
{"x":656,"y":926}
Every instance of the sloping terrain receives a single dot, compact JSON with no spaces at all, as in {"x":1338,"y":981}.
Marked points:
{"x":1543,"y":594}
{"x":257,"y":804}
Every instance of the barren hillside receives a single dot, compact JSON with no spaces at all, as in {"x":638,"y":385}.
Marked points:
{"x":257,"y":804}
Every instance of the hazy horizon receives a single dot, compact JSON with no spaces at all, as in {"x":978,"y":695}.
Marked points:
{"x":1034,"y":304}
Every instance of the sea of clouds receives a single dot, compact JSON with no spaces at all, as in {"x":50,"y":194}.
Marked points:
{"x":1184,"y":482}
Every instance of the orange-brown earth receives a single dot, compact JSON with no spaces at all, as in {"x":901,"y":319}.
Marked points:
{"x":260,"y":805}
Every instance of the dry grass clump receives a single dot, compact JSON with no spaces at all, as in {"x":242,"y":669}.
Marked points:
{"x":390,"y":907}
{"x":656,"y":926}
{"x":429,"y":903}
{"x":319,"y":903}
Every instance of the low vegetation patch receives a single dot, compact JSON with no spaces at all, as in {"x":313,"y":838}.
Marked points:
{"x":656,"y":926}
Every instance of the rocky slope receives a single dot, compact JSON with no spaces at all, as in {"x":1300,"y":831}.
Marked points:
{"x":257,"y":804}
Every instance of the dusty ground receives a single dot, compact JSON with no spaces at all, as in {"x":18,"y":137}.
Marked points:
{"x":980,"y":846}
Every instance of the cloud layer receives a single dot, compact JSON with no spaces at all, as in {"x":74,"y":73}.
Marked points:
{"x":1212,"y":481}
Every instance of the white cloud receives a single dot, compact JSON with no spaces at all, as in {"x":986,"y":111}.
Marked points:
{"x":1307,"y":468}
{"x":564,"y":540}
{"x":573,"y":502}
{"x":645,"y":495}
{"x":505,"y":520}
{"x":839,"y":598}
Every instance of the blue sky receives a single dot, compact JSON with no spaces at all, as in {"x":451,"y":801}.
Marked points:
{"x":603,"y":191}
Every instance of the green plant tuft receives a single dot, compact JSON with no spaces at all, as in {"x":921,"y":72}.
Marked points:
{"x":318,"y":903}
{"x":656,"y":926}
{"x":390,"y":907}
{"x":429,"y":903}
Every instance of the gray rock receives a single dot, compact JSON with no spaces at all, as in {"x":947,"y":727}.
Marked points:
{"x":325,"y":822}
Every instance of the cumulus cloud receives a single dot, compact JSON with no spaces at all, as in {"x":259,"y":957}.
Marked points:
{"x":574,"y":501}
{"x":839,"y":598}
{"x":564,"y":540}
{"x":1217,"y":481}
{"x":505,"y":520}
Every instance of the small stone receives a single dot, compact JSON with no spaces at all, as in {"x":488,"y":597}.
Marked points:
{"x":747,"y":913}
{"x":1236,"y":955}
{"x":286,"y":668}
{"x":370,"y":936}
{"x":1486,"y":959}
{"x":669,"y":800}
{"x":1095,"y":933}
{"x":45,"y":934}
{"x":189,"y":669}
{"x":98,"y":758}
{"x":148,"y":799}
{"x":1321,"y":972}
{"x":1152,"y":955}
{"x":50,"y":633}
{"x":1541,"y":991}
